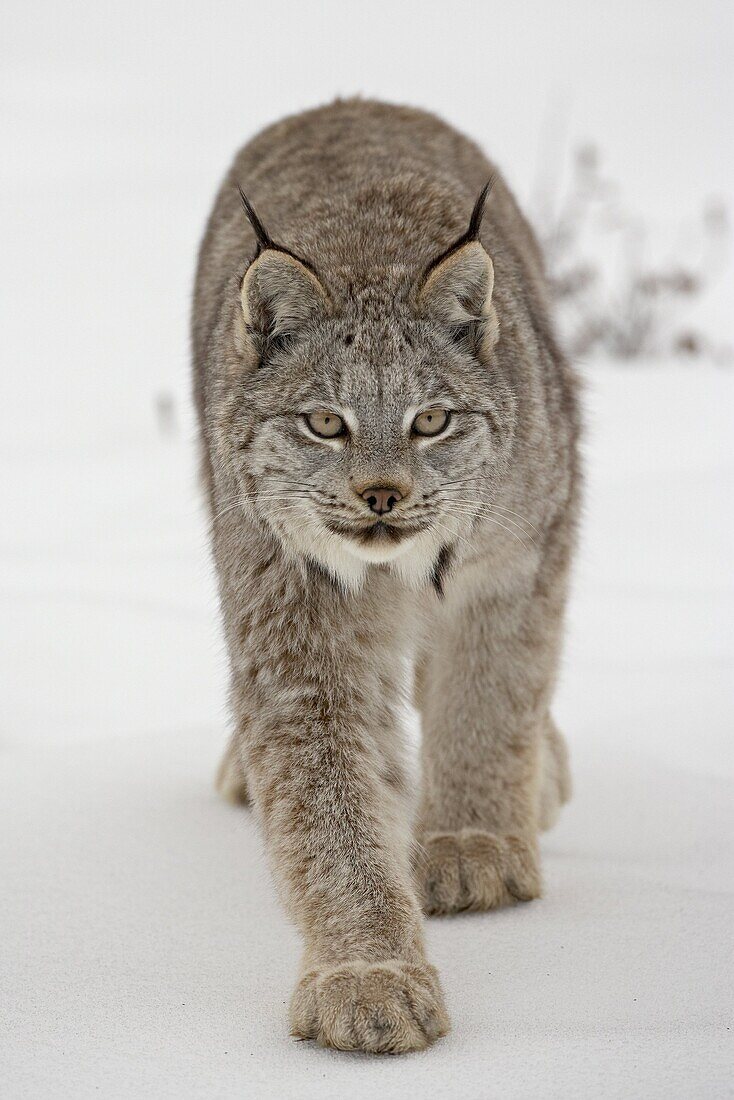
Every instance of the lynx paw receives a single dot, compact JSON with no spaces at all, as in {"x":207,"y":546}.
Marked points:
{"x":383,"y":1008}
{"x":473,"y":869}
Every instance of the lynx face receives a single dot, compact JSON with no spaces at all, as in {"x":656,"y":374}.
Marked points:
{"x":370,"y":430}
{"x":372,"y":449}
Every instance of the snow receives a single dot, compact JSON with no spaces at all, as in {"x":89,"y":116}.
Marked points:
{"x":142,"y":949}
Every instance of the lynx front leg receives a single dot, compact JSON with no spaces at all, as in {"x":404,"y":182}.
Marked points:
{"x":321,"y":699}
{"x":484,"y":705}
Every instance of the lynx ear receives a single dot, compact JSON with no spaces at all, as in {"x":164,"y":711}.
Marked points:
{"x":457,"y":286}
{"x":458,"y":289}
{"x":279,"y":292}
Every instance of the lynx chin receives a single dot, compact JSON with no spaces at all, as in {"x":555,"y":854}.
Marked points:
{"x":389,"y":449}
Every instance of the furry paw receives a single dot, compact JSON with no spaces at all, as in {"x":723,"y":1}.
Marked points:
{"x":473,"y":869}
{"x":384,"y":1008}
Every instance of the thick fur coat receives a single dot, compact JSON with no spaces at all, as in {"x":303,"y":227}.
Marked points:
{"x":389,"y":447}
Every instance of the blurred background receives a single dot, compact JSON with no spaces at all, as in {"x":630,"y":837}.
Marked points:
{"x":137,"y":917}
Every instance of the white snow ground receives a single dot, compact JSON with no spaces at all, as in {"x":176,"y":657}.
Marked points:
{"x":142,"y":951}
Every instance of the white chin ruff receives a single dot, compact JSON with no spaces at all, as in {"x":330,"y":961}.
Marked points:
{"x":411,"y":559}
{"x":348,"y":561}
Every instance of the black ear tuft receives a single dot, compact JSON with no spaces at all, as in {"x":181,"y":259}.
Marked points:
{"x":472,"y":233}
{"x":475,"y":222}
{"x":264,"y":240}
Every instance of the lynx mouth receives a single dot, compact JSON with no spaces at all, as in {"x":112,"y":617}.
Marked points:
{"x":377,"y":533}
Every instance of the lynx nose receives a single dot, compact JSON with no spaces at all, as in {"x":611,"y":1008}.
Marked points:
{"x":381,"y":499}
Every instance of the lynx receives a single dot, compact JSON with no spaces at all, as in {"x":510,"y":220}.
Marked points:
{"x":389,"y":450}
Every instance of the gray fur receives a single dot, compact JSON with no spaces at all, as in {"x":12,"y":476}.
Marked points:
{"x":352,"y":313}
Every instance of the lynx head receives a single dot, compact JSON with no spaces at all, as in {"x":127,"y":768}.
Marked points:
{"x":368,"y":427}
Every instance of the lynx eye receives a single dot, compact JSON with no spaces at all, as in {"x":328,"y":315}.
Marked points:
{"x":431,"y":422}
{"x":325,"y":424}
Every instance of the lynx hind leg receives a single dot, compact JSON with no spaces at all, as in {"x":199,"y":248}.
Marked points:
{"x":555,"y":775}
{"x":231,"y":781}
